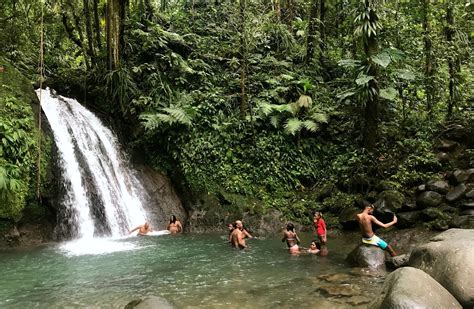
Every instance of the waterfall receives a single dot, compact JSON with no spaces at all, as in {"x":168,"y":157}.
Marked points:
{"x":102,"y":195}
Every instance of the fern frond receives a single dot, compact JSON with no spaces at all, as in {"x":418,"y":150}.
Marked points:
{"x":319,"y":117}
{"x":178,"y":114}
{"x":310,"y":125}
{"x":293,"y":126}
{"x":275,"y":120}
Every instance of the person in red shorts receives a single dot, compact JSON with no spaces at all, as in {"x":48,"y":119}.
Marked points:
{"x":321,"y":231}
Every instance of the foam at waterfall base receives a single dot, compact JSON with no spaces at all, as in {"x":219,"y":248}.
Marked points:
{"x":98,"y":246}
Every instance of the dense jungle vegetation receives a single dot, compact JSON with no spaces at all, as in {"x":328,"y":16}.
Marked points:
{"x":271,"y":99}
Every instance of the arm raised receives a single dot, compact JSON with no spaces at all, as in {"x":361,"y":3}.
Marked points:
{"x":384,"y":225}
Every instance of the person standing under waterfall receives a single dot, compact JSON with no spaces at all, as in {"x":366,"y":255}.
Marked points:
{"x":365,"y":219}
{"x":174,"y":226}
{"x":142,"y":229}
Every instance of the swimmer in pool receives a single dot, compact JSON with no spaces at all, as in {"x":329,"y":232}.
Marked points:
{"x":142,"y":229}
{"x":291,"y":238}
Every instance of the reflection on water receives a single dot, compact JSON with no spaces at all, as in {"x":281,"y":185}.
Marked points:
{"x":188,"y":270}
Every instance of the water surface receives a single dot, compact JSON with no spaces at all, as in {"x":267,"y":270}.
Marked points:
{"x":188,"y":270}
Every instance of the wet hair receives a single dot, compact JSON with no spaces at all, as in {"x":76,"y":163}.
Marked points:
{"x":234,"y":225}
{"x":314,"y":242}
{"x":173,"y":219}
{"x":318,"y":245}
{"x":290,"y":227}
{"x":366,"y":204}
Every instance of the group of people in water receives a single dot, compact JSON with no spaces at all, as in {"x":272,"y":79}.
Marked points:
{"x":238,"y":233}
{"x":174,"y":227}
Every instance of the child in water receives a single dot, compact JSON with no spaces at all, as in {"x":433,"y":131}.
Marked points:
{"x":314,"y":248}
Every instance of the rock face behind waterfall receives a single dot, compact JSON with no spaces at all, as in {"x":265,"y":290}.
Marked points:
{"x":409,"y":287}
{"x":449,"y":258}
{"x":161,"y":200}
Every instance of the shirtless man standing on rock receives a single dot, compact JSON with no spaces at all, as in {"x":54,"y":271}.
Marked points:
{"x":237,"y":236}
{"x":365,"y":219}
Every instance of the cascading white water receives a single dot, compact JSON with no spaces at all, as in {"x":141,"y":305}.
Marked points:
{"x":90,"y":160}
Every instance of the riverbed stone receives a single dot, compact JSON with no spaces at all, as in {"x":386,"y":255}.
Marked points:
{"x":460,"y":176}
{"x":398,"y":261}
{"x":429,"y":199}
{"x":150,"y":302}
{"x":439,"y":186}
{"x":456,"y":193}
{"x":468,"y":205}
{"x":442,"y":156}
{"x":421,"y":188}
{"x":431,"y":213}
{"x":408,"y":287}
{"x":467,"y":212}
{"x":367,"y":256}
{"x":347,"y":218}
{"x":448,"y":258}
{"x":393,"y":199}
{"x":339,"y":290}
{"x":470,"y":194}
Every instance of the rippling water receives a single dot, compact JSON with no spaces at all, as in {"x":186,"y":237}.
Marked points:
{"x":188,"y":270}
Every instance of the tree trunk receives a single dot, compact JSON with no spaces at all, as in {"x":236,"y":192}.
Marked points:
{"x":90,"y":38}
{"x":312,"y":31}
{"x":243,"y":61}
{"x":290,"y":14}
{"x":97,"y":24}
{"x":277,"y":9}
{"x":114,"y":31}
{"x":371,"y":112}
{"x":451,"y":58}
{"x":428,"y":56}
{"x":322,"y":29}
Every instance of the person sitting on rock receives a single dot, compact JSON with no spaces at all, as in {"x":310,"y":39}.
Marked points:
{"x":365,"y":219}
{"x":142,"y":229}
{"x":174,"y":226}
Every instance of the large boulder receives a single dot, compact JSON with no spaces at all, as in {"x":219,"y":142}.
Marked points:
{"x":448,"y":258}
{"x":429,"y":199}
{"x":456,"y":193}
{"x":150,"y":302}
{"x":367,"y":256}
{"x":439,"y":186}
{"x":392,"y":199}
{"x":408,"y":287}
{"x":347,"y":218}
{"x":161,"y":198}
{"x":408,"y":219}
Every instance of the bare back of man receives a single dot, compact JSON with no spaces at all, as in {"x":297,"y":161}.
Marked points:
{"x":365,"y":220}
{"x":237,"y":239}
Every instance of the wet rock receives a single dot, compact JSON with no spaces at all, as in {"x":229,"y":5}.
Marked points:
{"x":386,"y":185}
{"x":467,"y":212}
{"x":456,"y":193}
{"x":408,"y":287}
{"x":347,"y":218}
{"x":409,"y":206}
{"x":357,"y":300}
{"x":446,"y":145}
{"x":442,"y":156}
{"x":447,"y":209}
{"x":460,"y":176}
{"x":392,"y":198}
{"x":461,"y":221}
{"x":408,"y":219}
{"x":421,"y":188}
{"x":367,"y":256}
{"x":440,"y":225}
{"x":431,"y":213}
{"x":398,"y":261}
{"x":439,"y":186}
{"x":469,"y":205}
{"x":150,"y":302}
{"x":383,"y":212}
{"x":448,"y":259}
{"x":429,"y":199}
{"x":340,"y":290}
{"x":470,"y":194}
{"x":161,"y":201}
